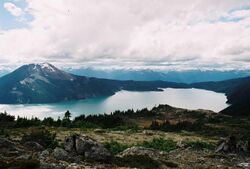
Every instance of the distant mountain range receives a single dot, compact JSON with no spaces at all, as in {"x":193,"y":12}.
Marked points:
{"x":44,"y":83}
{"x":185,"y":76}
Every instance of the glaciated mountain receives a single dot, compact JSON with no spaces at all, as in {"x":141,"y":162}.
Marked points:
{"x":44,"y":83}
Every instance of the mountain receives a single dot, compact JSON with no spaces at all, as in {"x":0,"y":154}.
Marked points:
{"x":185,"y":76}
{"x":44,"y":83}
{"x":237,"y":92}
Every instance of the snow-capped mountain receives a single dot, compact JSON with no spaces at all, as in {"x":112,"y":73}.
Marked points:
{"x":44,"y":83}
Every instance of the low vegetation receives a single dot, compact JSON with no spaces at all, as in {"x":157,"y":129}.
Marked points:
{"x":115,"y":147}
{"x":160,"y":144}
{"x":42,"y":136}
{"x":188,"y":135}
{"x":137,"y":161}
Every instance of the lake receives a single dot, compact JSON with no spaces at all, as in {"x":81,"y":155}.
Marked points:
{"x":123,"y":100}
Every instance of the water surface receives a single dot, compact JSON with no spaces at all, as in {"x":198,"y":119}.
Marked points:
{"x":123,"y":100}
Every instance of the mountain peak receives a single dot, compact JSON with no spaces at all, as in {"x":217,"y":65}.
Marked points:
{"x":47,"y":66}
{"x":41,"y":67}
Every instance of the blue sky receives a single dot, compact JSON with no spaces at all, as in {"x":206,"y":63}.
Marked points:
{"x":163,"y":34}
{"x":8,"y":21}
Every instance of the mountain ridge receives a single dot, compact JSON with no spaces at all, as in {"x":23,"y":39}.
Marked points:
{"x":237,"y":92}
{"x":185,"y":76}
{"x":44,"y":83}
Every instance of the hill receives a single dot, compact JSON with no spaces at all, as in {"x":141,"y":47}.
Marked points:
{"x":237,"y":92}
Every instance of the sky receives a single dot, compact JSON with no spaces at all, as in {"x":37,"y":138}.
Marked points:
{"x":137,"y":34}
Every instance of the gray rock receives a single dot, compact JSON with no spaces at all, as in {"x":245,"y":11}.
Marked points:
{"x":7,"y":144}
{"x":33,"y":145}
{"x":46,"y":165}
{"x":244,"y":165}
{"x":152,"y":153}
{"x":60,"y":154}
{"x":233,"y":144}
{"x":69,"y":143}
{"x":24,"y":157}
{"x":44,"y":155}
{"x":158,"y":156}
{"x":88,"y":147}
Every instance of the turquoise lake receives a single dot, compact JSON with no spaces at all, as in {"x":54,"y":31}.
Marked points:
{"x":123,"y":100}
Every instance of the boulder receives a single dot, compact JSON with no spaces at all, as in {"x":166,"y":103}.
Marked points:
{"x":7,"y":144}
{"x":24,"y":157}
{"x":154,"y":157}
{"x":10,"y":148}
{"x":244,"y":165}
{"x":60,"y":154}
{"x":33,"y":146}
{"x":152,"y":153}
{"x":233,"y":144}
{"x":69,"y":143}
{"x":87,"y":147}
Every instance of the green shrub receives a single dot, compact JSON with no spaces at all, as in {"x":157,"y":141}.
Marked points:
{"x":6,"y":120}
{"x":183,"y":125}
{"x":131,"y":128}
{"x":41,"y":136}
{"x":4,"y":132}
{"x":85,"y":125}
{"x":25,"y":122}
{"x":114,"y":147}
{"x":160,"y":144}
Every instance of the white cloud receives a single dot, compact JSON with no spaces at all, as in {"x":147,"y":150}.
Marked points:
{"x":170,"y":34}
{"x":13,"y":9}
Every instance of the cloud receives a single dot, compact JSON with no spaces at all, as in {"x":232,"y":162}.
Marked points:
{"x":132,"y":33}
{"x":13,"y":9}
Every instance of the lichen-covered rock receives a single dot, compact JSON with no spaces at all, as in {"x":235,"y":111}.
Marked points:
{"x":69,"y":143}
{"x":88,"y":147}
{"x":233,"y":144}
{"x":60,"y":154}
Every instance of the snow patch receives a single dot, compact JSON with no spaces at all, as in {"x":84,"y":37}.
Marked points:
{"x":33,"y":78}
{"x":47,"y":66}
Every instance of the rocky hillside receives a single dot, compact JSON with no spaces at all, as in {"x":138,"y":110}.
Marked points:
{"x":164,"y":137}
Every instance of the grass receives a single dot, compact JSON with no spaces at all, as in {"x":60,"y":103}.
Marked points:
{"x":114,"y":147}
{"x":160,"y":144}
{"x":41,"y":136}
{"x":157,"y":143}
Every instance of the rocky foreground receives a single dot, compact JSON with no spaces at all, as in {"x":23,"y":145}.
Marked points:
{"x":79,"y":151}
{"x":163,"y":137}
